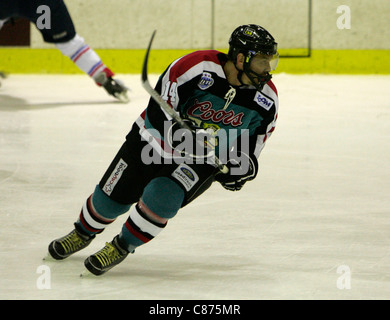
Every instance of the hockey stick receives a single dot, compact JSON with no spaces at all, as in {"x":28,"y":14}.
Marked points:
{"x":163,"y":104}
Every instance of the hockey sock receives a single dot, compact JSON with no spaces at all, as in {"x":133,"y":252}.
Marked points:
{"x":163,"y":197}
{"x":98,"y":212}
{"x":138,"y":229}
{"x":84,"y":57}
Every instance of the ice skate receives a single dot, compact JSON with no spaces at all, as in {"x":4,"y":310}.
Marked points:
{"x":108,"y":257}
{"x":62,"y":248}
{"x":114,"y":87}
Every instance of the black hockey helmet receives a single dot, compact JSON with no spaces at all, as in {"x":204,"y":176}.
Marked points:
{"x":250,"y":40}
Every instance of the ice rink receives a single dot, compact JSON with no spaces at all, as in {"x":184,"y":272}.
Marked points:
{"x":315,"y":224}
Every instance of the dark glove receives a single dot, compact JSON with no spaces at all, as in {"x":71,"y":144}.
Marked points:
{"x":242,"y":168}
{"x":195,"y":143}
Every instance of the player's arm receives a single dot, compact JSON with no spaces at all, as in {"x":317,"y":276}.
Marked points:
{"x":243,"y":166}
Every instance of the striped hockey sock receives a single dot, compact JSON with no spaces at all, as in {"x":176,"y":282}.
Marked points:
{"x":90,"y":221}
{"x":139,"y":229}
{"x":84,"y":57}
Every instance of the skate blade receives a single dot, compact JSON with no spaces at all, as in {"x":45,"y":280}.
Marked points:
{"x":86,"y":274}
{"x":122,"y":97}
{"x":48,"y":257}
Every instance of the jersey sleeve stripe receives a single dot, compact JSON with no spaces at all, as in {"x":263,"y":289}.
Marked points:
{"x":189,"y":67}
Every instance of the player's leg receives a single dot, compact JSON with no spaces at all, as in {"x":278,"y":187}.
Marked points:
{"x":96,"y":214}
{"x":161,"y":199}
{"x":84,"y":57}
{"x":63,"y":35}
{"x":2,"y":76}
{"x":142,"y":225}
{"x":119,"y":188}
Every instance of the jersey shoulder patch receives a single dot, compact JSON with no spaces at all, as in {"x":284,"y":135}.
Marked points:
{"x":263,"y":101}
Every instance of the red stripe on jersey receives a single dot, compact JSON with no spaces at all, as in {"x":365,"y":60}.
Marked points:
{"x":190,"y":60}
{"x":268,"y":134}
{"x":271,"y":130}
{"x":272,"y":86}
{"x":186,"y":63}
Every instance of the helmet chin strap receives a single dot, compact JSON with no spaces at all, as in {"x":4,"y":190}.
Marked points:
{"x":262,"y":80}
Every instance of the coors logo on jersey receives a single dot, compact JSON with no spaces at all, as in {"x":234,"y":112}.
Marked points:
{"x":204,"y":111}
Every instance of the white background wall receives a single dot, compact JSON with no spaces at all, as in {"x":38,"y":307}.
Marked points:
{"x":188,"y":24}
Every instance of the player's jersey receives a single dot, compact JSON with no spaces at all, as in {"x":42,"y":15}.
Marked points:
{"x":197,"y":89}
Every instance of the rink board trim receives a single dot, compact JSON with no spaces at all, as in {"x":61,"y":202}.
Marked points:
{"x":27,"y":60}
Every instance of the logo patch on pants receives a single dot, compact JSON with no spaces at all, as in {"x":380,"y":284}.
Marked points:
{"x":114,"y":177}
{"x":186,"y":176}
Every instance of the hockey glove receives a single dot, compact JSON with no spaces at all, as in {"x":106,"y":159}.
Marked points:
{"x":197,"y":143}
{"x":241,"y":169}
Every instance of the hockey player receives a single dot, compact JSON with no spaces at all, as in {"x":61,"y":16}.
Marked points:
{"x":209,"y":89}
{"x":62,"y":34}
{"x":2,"y":76}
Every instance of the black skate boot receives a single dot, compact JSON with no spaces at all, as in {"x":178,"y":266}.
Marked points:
{"x":113,"y":87}
{"x":64,"y":247}
{"x":108,"y":257}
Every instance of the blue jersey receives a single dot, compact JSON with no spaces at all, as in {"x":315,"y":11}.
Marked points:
{"x":196,"y":87}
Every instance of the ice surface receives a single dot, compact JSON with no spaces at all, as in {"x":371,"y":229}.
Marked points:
{"x":319,"y":207}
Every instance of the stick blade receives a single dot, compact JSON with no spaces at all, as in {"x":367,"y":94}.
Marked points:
{"x":145,"y":65}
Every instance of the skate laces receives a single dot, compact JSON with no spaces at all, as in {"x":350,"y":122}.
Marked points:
{"x":72,"y":242}
{"x":108,"y":254}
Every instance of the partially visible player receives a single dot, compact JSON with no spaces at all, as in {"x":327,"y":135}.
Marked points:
{"x":2,"y":76}
{"x":63,"y":35}
{"x":232,"y":94}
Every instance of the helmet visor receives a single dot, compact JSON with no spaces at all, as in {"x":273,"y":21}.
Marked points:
{"x":263,"y":62}
{"x":258,"y":68}
{"x":274,"y":61}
